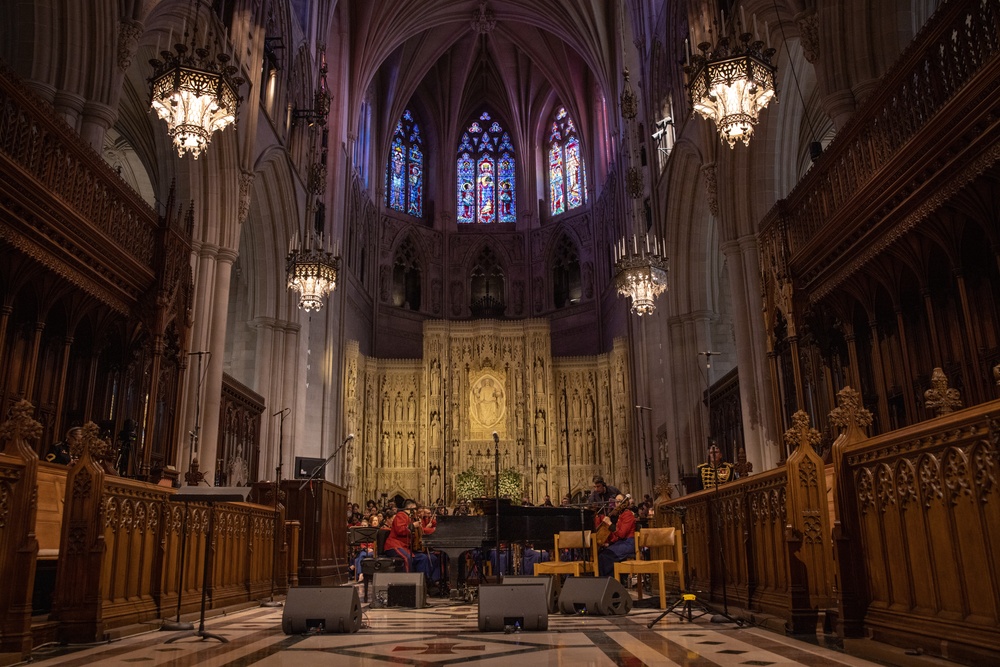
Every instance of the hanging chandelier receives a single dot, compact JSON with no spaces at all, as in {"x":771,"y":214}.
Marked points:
{"x":312,"y":268}
{"x":194,"y":93}
{"x":640,"y":259}
{"x":641,"y":272}
{"x":733,"y":81}
{"x":312,"y":264}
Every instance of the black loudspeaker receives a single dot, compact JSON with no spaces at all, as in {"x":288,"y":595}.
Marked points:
{"x":305,"y":466}
{"x":516,"y":606}
{"x":597,"y":596}
{"x":325,"y":609}
{"x":551,"y":582}
{"x":398,"y":582}
{"x":370,"y":566}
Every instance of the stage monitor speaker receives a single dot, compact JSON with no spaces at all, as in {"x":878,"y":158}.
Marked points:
{"x":371,"y":566}
{"x":305,"y":466}
{"x":382,"y":582}
{"x":321,"y":608}
{"x":517,"y":606}
{"x":551,"y":586}
{"x":597,"y":596}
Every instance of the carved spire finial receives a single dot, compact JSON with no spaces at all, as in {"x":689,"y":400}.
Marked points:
{"x":99,"y":448}
{"x":663,"y":489}
{"x":940,"y":397}
{"x":850,"y":411}
{"x":742,"y":467}
{"x":801,"y":432}
{"x":21,"y":425}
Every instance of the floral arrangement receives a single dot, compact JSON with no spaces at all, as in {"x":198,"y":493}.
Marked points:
{"x":511,"y":483}
{"x":470,"y":484}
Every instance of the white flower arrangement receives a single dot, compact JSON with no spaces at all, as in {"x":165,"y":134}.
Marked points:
{"x":470,"y":484}
{"x":511,"y":483}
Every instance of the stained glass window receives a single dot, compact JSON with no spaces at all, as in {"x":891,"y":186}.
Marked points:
{"x":486,"y":184}
{"x":567,"y":176}
{"x":404,"y":180}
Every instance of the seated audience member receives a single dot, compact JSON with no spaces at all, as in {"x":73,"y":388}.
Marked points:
{"x":61,"y":452}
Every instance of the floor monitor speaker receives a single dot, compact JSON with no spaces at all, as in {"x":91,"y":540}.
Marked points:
{"x":551,"y":586}
{"x":512,"y":607}
{"x":321,"y":609}
{"x":415,"y":597}
{"x":597,"y":596}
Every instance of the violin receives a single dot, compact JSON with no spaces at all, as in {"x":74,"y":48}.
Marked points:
{"x":416,"y":533}
{"x":603,"y":531}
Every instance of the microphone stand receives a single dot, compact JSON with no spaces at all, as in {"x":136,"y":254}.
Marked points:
{"x":323,"y":465}
{"x":277,"y":499}
{"x":688,"y":601}
{"x":496,"y":495}
{"x":316,"y":471}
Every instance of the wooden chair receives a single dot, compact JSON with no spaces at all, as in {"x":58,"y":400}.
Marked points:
{"x":655,"y":537}
{"x":570,"y":539}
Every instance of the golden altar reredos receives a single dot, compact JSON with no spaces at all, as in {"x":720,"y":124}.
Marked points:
{"x":419,"y":422}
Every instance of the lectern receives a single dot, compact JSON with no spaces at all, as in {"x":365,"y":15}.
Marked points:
{"x":210,"y":495}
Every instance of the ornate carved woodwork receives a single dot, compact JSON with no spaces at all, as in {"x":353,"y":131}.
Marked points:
{"x":239,"y":434}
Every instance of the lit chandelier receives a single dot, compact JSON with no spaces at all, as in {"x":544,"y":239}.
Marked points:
{"x":312,"y":263}
{"x":732,"y":82}
{"x":641,"y":272}
{"x":640,"y":261}
{"x":194,"y":93}
{"x":312,"y":270}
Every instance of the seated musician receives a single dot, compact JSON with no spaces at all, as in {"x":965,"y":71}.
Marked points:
{"x":716,"y":471}
{"x":365,"y":550}
{"x":437,"y":561}
{"x":620,"y":544}
{"x":399,"y":544}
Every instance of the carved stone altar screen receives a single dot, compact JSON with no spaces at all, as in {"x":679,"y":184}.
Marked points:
{"x":477,"y":378}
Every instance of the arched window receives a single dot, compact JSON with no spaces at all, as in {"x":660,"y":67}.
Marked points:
{"x":486,"y":183}
{"x":566,"y":286}
{"x":406,"y":276}
{"x":404,"y":178}
{"x":567,"y":177}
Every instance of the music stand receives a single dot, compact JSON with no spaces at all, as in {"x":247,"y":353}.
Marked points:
{"x":210,"y":495}
{"x":178,"y":625}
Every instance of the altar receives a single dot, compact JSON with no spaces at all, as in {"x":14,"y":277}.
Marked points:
{"x":420,"y":423}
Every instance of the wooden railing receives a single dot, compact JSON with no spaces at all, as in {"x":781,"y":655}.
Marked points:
{"x":120,"y":554}
{"x":762,"y":543}
{"x":917,"y":535}
{"x":914,"y":525}
{"x":883,"y":151}
{"x":18,"y":547}
{"x":52,"y":157}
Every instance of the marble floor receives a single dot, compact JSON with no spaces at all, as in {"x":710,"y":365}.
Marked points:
{"x":446,"y":633}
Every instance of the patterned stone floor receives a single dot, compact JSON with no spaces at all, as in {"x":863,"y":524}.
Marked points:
{"x":446,"y":633}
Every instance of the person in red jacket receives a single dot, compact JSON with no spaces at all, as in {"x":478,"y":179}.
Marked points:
{"x":398,"y":543}
{"x":621,"y":542}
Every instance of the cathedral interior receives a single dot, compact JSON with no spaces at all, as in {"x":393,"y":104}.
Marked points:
{"x":433,"y":245}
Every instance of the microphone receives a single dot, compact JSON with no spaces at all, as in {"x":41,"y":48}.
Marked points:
{"x":348,"y":438}
{"x":496,"y":438}
{"x":283,"y":410}
{"x":643,"y":407}
{"x":708,"y":353}
{"x":198,"y":354}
